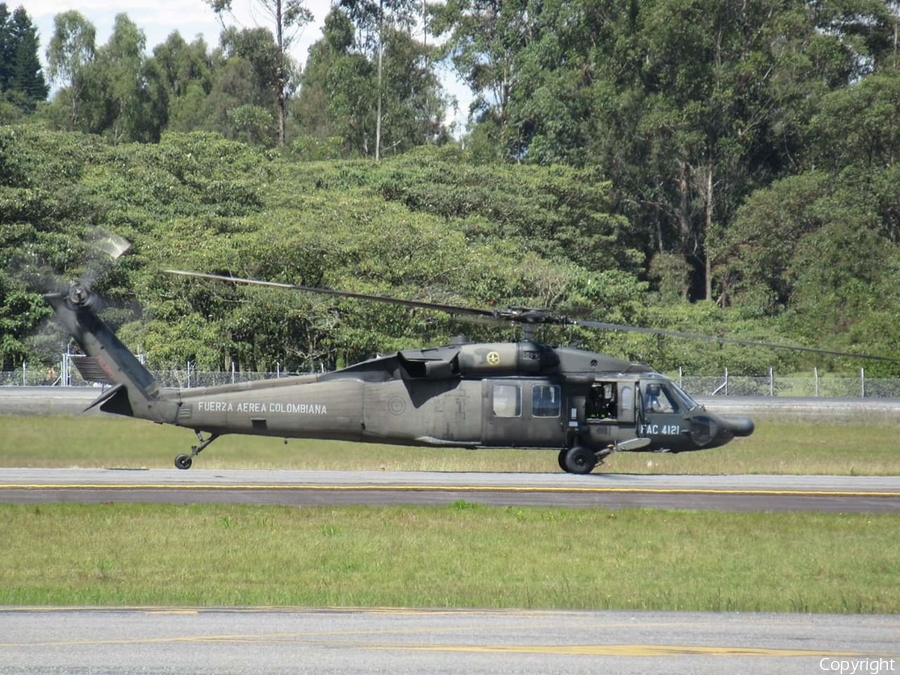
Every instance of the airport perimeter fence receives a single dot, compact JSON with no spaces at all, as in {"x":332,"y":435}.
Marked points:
{"x":812,"y":386}
{"x":180,"y":378}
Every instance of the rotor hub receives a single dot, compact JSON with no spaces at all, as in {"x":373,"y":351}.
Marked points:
{"x":80,"y":296}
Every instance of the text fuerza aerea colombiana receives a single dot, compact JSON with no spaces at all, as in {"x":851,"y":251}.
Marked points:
{"x":257,"y":407}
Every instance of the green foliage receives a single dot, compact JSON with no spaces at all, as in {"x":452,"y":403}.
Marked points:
{"x":558,"y":212}
{"x":860,"y":125}
{"x":252,"y":124}
{"x":708,"y":358}
{"x":761,"y":243}
{"x":22,"y":82}
{"x":745,"y":153}
{"x":671,"y":275}
{"x":340,"y":92}
{"x":198,"y":201}
{"x":314,"y":149}
{"x":687,"y":106}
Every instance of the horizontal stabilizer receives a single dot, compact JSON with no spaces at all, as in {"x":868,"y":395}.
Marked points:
{"x":90,"y":369}
{"x":114,"y":401}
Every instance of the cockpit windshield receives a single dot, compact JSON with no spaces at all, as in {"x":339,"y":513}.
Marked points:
{"x":684,"y":399}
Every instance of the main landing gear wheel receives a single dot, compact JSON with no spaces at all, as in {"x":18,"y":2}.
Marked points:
{"x":184,"y":462}
{"x":562,"y":459}
{"x":578,"y":460}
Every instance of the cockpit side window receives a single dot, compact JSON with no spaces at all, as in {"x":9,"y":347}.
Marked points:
{"x":687,"y":403}
{"x":658,"y":400}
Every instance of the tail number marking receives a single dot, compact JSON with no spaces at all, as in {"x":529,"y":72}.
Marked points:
{"x":660,"y":429}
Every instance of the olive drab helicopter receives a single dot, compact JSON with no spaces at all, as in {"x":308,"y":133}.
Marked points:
{"x":523,"y":394}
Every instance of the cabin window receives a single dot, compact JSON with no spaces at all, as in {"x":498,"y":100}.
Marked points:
{"x":507,"y":400}
{"x":545,"y":400}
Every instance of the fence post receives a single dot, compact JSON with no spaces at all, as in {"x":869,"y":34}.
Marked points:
{"x":726,"y":381}
{"x":278,"y":371}
{"x":816,"y":379}
{"x":232,"y":372}
{"x":862,"y":381}
{"x":679,"y":377}
{"x":24,"y":373}
{"x":771,"y":381}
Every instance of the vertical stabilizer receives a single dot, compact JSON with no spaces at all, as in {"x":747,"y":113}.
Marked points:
{"x":107,"y":359}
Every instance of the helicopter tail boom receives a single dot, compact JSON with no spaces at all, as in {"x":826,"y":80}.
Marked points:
{"x":135,"y":392}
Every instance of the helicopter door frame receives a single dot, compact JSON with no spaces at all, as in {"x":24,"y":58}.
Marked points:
{"x":611,"y":401}
{"x":660,"y":413}
{"x":520,"y":412}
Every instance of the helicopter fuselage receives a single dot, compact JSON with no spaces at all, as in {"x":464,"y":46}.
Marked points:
{"x":399,"y":400}
{"x":519,"y":394}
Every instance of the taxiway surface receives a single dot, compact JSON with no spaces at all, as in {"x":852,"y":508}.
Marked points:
{"x":400,"y":641}
{"x":732,"y":493}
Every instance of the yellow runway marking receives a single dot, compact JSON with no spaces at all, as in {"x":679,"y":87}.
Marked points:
{"x":314,"y":640}
{"x":452,"y":488}
{"x":172,"y":612}
{"x":618,"y":650}
{"x":292,"y":609}
{"x":282,"y":638}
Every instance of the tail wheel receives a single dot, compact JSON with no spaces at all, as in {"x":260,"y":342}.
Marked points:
{"x":578,"y":460}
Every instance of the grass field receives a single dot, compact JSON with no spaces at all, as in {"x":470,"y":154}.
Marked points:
{"x":462,"y":555}
{"x":777,"y":447}
{"x":458,"y":556}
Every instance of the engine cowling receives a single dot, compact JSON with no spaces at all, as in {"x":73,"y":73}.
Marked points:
{"x":504,"y":358}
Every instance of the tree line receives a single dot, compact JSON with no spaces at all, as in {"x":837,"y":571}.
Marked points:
{"x":746,"y":149}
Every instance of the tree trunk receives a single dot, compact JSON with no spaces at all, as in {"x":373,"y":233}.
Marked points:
{"x":706,"y":234}
{"x":279,"y":34}
{"x":684,"y":225}
{"x":380,"y":58}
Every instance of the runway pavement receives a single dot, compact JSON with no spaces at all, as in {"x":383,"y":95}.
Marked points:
{"x":739,"y":493}
{"x":401,"y":641}
{"x":732,"y":493}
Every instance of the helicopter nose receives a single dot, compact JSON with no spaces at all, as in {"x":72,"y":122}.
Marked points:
{"x":739,"y":426}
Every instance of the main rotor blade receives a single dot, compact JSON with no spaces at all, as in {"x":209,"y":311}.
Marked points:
{"x":717,"y":338}
{"x":530,"y":316}
{"x":449,"y":309}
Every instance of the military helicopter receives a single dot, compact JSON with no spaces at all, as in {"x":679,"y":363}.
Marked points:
{"x":523,"y":394}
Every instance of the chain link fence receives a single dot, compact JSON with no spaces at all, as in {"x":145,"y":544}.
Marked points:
{"x":180,"y":378}
{"x":812,"y":386}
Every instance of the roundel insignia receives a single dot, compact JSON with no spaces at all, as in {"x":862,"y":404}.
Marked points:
{"x":493,"y":358}
{"x":397,"y":406}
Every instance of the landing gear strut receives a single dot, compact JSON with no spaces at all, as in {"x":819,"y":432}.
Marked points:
{"x":184,"y":462}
